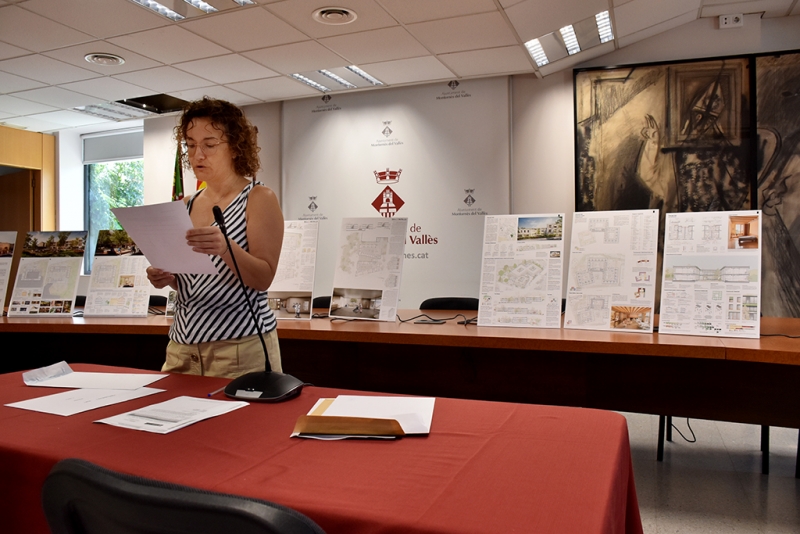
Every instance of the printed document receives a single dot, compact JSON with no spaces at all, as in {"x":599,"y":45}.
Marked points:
{"x":61,"y":375}
{"x":171,"y":415}
{"x":81,"y":400}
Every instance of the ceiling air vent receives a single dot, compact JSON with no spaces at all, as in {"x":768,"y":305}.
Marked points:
{"x":334,"y":16}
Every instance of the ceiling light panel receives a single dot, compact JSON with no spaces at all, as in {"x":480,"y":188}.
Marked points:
{"x":586,"y":32}
{"x":537,"y":52}
{"x":311,"y":83}
{"x":553,"y":45}
{"x":341,"y":78}
{"x":570,"y":40}
{"x":604,"y":27}
{"x":161,"y":9}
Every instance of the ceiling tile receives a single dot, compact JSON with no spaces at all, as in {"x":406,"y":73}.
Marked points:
{"x":45,"y":69}
{"x":227,"y":69}
{"x":4,"y":115}
{"x":10,"y":83}
{"x":216,"y":91}
{"x":245,"y":29}
{"x":418,"y":69}
{"x":471,"y":32}
{"x":101,"y":18}
{"x":376,"y":45}
{"x":74,"y":55}
{"x":274,"y":89}
{"x":533,"y":18}
{"x":796,"y":9}
{"x":107,"y":89}
{"x":770,"y":8}
{"x":509,"y":3}
{"x":163,"y":79}
{"x":18,"y":106}
{"x":57,"y":97}
{"x":16,"y":25}
{"x":506,"y":60}
{"x":33,"y":125}
{"x":9,"y":51}
{"x":640,"y":14}
{"x":297,"y":57}
{"x":68,"y":118}
{"x":169,"y":45}
{"x":298,"y":13}
{"x":680,"y":20}
{"x":411,"y":11}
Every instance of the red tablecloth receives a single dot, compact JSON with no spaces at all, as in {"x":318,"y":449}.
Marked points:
{"x":485,"y":467}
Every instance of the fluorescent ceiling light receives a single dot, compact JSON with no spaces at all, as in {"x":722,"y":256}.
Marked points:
{"x":309,"y":81}
{"x":113,"y":111}
{"x":202,"y":6}
{"x":370,"y":78}
{"x":338,"y":79}
{"x":537,"y":53}
{"x":244,"y":2}
{"x":161,"y":10}
{"x":604,"y":27}
{"x":570,"y":40}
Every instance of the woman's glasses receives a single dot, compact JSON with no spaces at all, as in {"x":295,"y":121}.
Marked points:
{"x":208,"y":147}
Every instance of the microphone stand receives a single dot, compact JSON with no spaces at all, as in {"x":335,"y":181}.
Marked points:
{"x":269,"y":385}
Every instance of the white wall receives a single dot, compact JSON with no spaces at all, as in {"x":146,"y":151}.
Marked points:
{"x":70,"y":182}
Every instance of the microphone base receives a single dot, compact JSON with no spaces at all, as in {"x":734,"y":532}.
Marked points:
{"x":264,"y":387}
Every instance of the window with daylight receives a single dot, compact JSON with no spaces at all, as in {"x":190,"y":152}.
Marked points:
{"x":113,"y":177}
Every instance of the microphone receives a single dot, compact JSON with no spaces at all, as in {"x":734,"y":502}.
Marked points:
{"x":269,"y":385}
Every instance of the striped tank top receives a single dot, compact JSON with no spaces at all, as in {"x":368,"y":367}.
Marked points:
{"x":212,"y":307}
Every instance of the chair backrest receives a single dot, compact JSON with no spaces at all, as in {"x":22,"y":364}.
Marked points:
{"x":449,"y":303}
{"x":83,"y":498}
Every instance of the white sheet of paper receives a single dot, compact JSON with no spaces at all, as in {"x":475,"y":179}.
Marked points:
{"x":81,"y":400}
{"x":413,"y":413}
{"x":160,"y":231}
{"x":61,"y":375}
{"x":171,"y":415}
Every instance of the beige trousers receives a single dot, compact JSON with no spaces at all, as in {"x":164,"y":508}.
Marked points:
{"x":229,"y":358}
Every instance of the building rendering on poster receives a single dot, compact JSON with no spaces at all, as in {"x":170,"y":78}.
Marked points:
{"x":292,"y":291}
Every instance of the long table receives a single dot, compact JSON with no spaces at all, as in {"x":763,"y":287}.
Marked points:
{"x":740,"y":380}
{"x":486,"y":467}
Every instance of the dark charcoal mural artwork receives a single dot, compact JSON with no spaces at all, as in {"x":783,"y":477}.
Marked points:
{"x":778,"y":112}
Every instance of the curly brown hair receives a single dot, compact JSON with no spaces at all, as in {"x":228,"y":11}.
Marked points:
{"x":240,"y":134}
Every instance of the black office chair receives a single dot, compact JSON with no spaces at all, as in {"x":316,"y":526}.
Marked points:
{"x":321,"y":302}
{"x":82,"y":498}
{"x":449,"y":303}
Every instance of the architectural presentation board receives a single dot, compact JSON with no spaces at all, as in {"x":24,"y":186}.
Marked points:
{"x":292,"y":290}
{"x":521,"y":270}
{"x":118,"y":286}
{"x":422,"y":152}
{"x":712,"y":274}
{"x":47,"y":277}
{"x":612,"y":271}
{"x":7,"y":241}
{"x":369,"y":267}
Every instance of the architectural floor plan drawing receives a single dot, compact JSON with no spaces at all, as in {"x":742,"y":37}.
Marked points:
{"x":366,"y":283}
{"x":711,"y":282}
{"x":522,"y":270}
{"x":612,"y":271}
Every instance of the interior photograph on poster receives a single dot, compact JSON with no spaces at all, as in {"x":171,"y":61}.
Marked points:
{"x":521,"y":271}
{"x":366,"y":281}
{"x":712,"y":274}
{"x":47,"y":276}
{"x":291,"y":292}
{"x":612,"y":271}
{"x":118,"y":286}
{"x":7,"y":242}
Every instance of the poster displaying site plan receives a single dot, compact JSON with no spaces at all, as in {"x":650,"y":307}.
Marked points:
{"x":118,"y":286}
{"x":612,"y":271}
{"x":712,"y":274}
{"x":290,"y":295}
{"x":369,"y":267}
{"x":7,"y":241}
{"x":47,"y":276}
{"x":521,"y":271}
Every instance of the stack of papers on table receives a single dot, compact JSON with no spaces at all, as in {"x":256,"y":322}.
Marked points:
{"x":354,"y":416}
{"x":89,"y":390}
